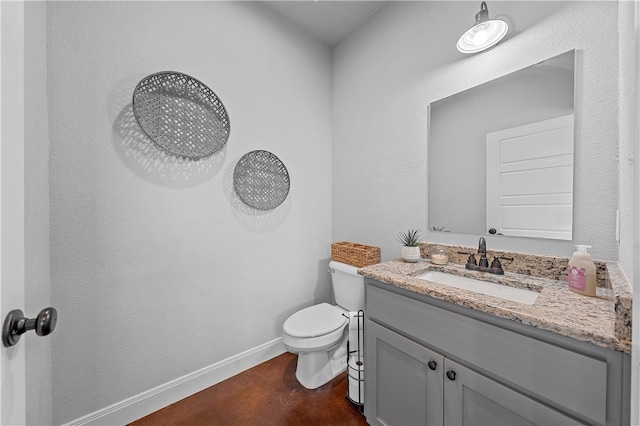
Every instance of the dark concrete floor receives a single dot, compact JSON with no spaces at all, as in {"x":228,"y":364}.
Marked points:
{"x":267,"y":394}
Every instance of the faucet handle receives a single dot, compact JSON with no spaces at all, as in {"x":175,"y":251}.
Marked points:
{"x":497,"y":266}
{"x":496,"y":260}
{"x":471,"y":260}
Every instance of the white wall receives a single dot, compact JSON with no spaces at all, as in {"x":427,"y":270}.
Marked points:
{"x":628,"y":136}
{"x":629,"y":28}
{"x":403,"y":58}
{"x":157,"y":269}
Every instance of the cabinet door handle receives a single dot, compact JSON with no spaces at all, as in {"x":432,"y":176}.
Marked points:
{"x":432,"y":365}
{"x":451,"y":375}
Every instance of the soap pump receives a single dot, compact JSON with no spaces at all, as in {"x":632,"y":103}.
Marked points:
{"x":581,"y":273}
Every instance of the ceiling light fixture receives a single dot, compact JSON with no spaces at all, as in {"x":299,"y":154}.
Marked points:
{"x":484,"y":34}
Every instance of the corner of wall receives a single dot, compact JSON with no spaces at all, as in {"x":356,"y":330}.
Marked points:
{"x":37,"y":270}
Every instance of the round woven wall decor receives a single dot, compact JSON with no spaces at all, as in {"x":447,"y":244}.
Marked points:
{"x":181,"y":115}
{"x":261,"y":180}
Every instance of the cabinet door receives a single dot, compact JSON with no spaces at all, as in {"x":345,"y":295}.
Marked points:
{"x":403,"y":380}
{"x":473,"y":399}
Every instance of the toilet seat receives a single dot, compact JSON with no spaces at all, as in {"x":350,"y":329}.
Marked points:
{"x":314,"y":321}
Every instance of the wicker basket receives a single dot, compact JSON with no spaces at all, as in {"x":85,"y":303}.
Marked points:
{"x":355,"y":254}
{"x":261,"y":180}
{"x":181,"y":115}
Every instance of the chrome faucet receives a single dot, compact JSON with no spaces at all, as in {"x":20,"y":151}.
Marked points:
{"x":483,"y":265}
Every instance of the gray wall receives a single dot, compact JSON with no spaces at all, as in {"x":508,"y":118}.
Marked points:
{"x":404,"y":58}
{"x":37,"y":285}
{"x":157,"y":269}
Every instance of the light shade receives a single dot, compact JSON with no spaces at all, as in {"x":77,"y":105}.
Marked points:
{"x":484,"y":34}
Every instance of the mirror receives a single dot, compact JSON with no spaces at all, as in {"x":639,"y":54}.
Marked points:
{"x":500,"y":155}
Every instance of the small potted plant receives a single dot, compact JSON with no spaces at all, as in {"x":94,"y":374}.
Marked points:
{"x":410,"y":241}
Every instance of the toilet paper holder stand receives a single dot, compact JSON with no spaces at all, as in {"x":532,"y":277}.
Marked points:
{"x":355,"y":365}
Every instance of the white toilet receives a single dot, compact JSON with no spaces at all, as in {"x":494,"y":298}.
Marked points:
{"x":319,"y":333}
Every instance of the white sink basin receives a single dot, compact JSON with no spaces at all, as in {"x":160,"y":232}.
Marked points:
{"x":527,"y":297}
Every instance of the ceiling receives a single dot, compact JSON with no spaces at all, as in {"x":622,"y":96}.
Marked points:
{"x":328,"y":21}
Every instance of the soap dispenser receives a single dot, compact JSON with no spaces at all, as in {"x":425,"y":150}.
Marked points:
{"x":581,"y":274}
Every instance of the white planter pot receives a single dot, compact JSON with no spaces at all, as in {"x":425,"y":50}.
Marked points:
{"x":410,"y":254}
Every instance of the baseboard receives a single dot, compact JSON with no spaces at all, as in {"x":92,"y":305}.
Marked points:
{"x":147,"y":402}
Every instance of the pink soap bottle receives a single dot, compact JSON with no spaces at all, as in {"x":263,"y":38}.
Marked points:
{"x":581,"y":274}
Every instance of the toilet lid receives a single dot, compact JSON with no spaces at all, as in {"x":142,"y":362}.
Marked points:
{"x":313,"y":321}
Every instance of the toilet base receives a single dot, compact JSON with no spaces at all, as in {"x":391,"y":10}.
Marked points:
{"x":318,"y":368}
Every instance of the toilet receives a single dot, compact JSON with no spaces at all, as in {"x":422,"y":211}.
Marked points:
{"x":319,"y":333}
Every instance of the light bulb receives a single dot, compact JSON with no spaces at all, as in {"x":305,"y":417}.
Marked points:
{"x":480,"y":37}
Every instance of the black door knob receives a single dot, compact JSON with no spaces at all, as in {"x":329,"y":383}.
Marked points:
{"x":432,"y":365}
{"x":46,"y":321}
{"x":451,"y":375}
{"x":17,"y":324}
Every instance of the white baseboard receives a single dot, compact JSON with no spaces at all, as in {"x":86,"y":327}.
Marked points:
{"x":147,"y":402}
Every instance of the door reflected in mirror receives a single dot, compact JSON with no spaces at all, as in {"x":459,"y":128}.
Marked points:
{"x":500,"y":155}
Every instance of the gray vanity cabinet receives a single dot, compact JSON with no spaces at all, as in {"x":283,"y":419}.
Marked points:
{"x":407,"y":381}
{"x":429,"y":362}
{"x":417,"y":386}
{"x":473,"y":399}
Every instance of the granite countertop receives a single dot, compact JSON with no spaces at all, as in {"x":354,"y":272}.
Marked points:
{"x":604,"y":320}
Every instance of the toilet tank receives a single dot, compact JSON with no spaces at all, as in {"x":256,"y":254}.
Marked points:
{"x":348,"y":286}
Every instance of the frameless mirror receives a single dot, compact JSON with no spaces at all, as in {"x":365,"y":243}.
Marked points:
{"x":500,"y":155}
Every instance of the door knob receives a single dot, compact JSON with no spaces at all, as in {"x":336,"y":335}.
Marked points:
{"x":16,"y":324}
{"x":451,"y":375}
{"x":432,"y":365}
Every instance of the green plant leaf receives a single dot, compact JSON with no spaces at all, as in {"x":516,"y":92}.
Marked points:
{"x":410,"y":238}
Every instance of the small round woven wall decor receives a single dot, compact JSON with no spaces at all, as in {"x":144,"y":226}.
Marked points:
{"x":181,"y":115}
{"x":261,"y":180}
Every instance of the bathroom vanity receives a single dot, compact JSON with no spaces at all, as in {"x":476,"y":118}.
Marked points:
{"x":436,"y":354}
